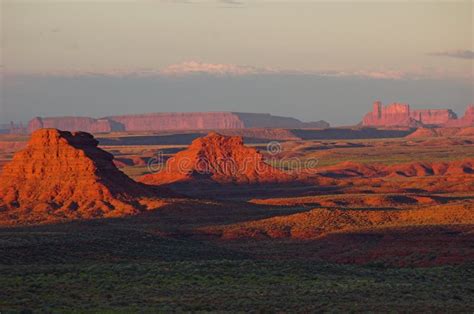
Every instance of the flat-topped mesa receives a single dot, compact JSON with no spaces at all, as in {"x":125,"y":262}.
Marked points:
{"x":265,"y":120}
{"x":179,"y":121}
{"x":401,"y":115}
{"x":172,"y":121}
{"x":61,"y":176}
{"x":217,"y":158}
{"x":85,"y":124}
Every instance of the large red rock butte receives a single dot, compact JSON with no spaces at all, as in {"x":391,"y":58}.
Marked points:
{"x":217,"y":158}
{"x":61,"y":176}
{"x":401,"y":115}
{"x":171,"y":121}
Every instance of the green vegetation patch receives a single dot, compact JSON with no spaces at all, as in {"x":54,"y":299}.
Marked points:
{"x":230,"y":285}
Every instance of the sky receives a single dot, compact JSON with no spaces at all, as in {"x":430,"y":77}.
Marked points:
{"x":64,"y":57}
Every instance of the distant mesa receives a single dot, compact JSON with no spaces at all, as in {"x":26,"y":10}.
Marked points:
{"x":401,"y":115}
{"x":466,"y":120}
{"x":171,"y":121}
{"x":84,"y":124}
{"x":62,"y":176}
{"x":216,"y":158}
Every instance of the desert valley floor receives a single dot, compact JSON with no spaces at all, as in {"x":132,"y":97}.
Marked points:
{"x":320,"y":220}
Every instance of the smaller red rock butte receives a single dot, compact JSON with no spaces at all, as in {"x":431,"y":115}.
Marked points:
{"x":62,"y":175}
{"x":217,"y":158}
{"x":401,"y":115}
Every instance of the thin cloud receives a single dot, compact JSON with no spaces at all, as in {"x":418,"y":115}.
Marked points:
{"x":232,"y":2}
{"x":192,"y":68}
{"x":196,"y":67}
{"x":458,"y":54}
{"x":229,"y":2}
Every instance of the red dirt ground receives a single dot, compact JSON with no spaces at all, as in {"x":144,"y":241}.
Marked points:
{"x":322,"y":221}
{"x":61,"y":176}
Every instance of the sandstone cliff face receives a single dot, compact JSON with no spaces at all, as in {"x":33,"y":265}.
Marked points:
{"x":397,"y":114}
{"x":62,"y":175}
{"x":172,"y":121}
{"x":392,"y":115}
{"x":217,"y":158}
{"x":433,"y":116}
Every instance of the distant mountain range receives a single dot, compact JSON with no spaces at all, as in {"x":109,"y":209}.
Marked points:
{"x":170,"y":121}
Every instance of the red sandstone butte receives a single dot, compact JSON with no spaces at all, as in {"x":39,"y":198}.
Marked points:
{"x":172,"y":121}
{"x":401,"y":115}
{"x":217,"y":158}
{"x":61,"y":176}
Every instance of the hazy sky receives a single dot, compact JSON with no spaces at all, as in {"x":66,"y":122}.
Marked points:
{"x":381,"y":40}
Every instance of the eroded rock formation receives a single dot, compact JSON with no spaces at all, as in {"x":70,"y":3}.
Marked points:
{"x":402,"y":115}
{"x":392,"y":115}
{"x":62,"y":175}
{"x":217,"y":158}
{"x":464,"y":121}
